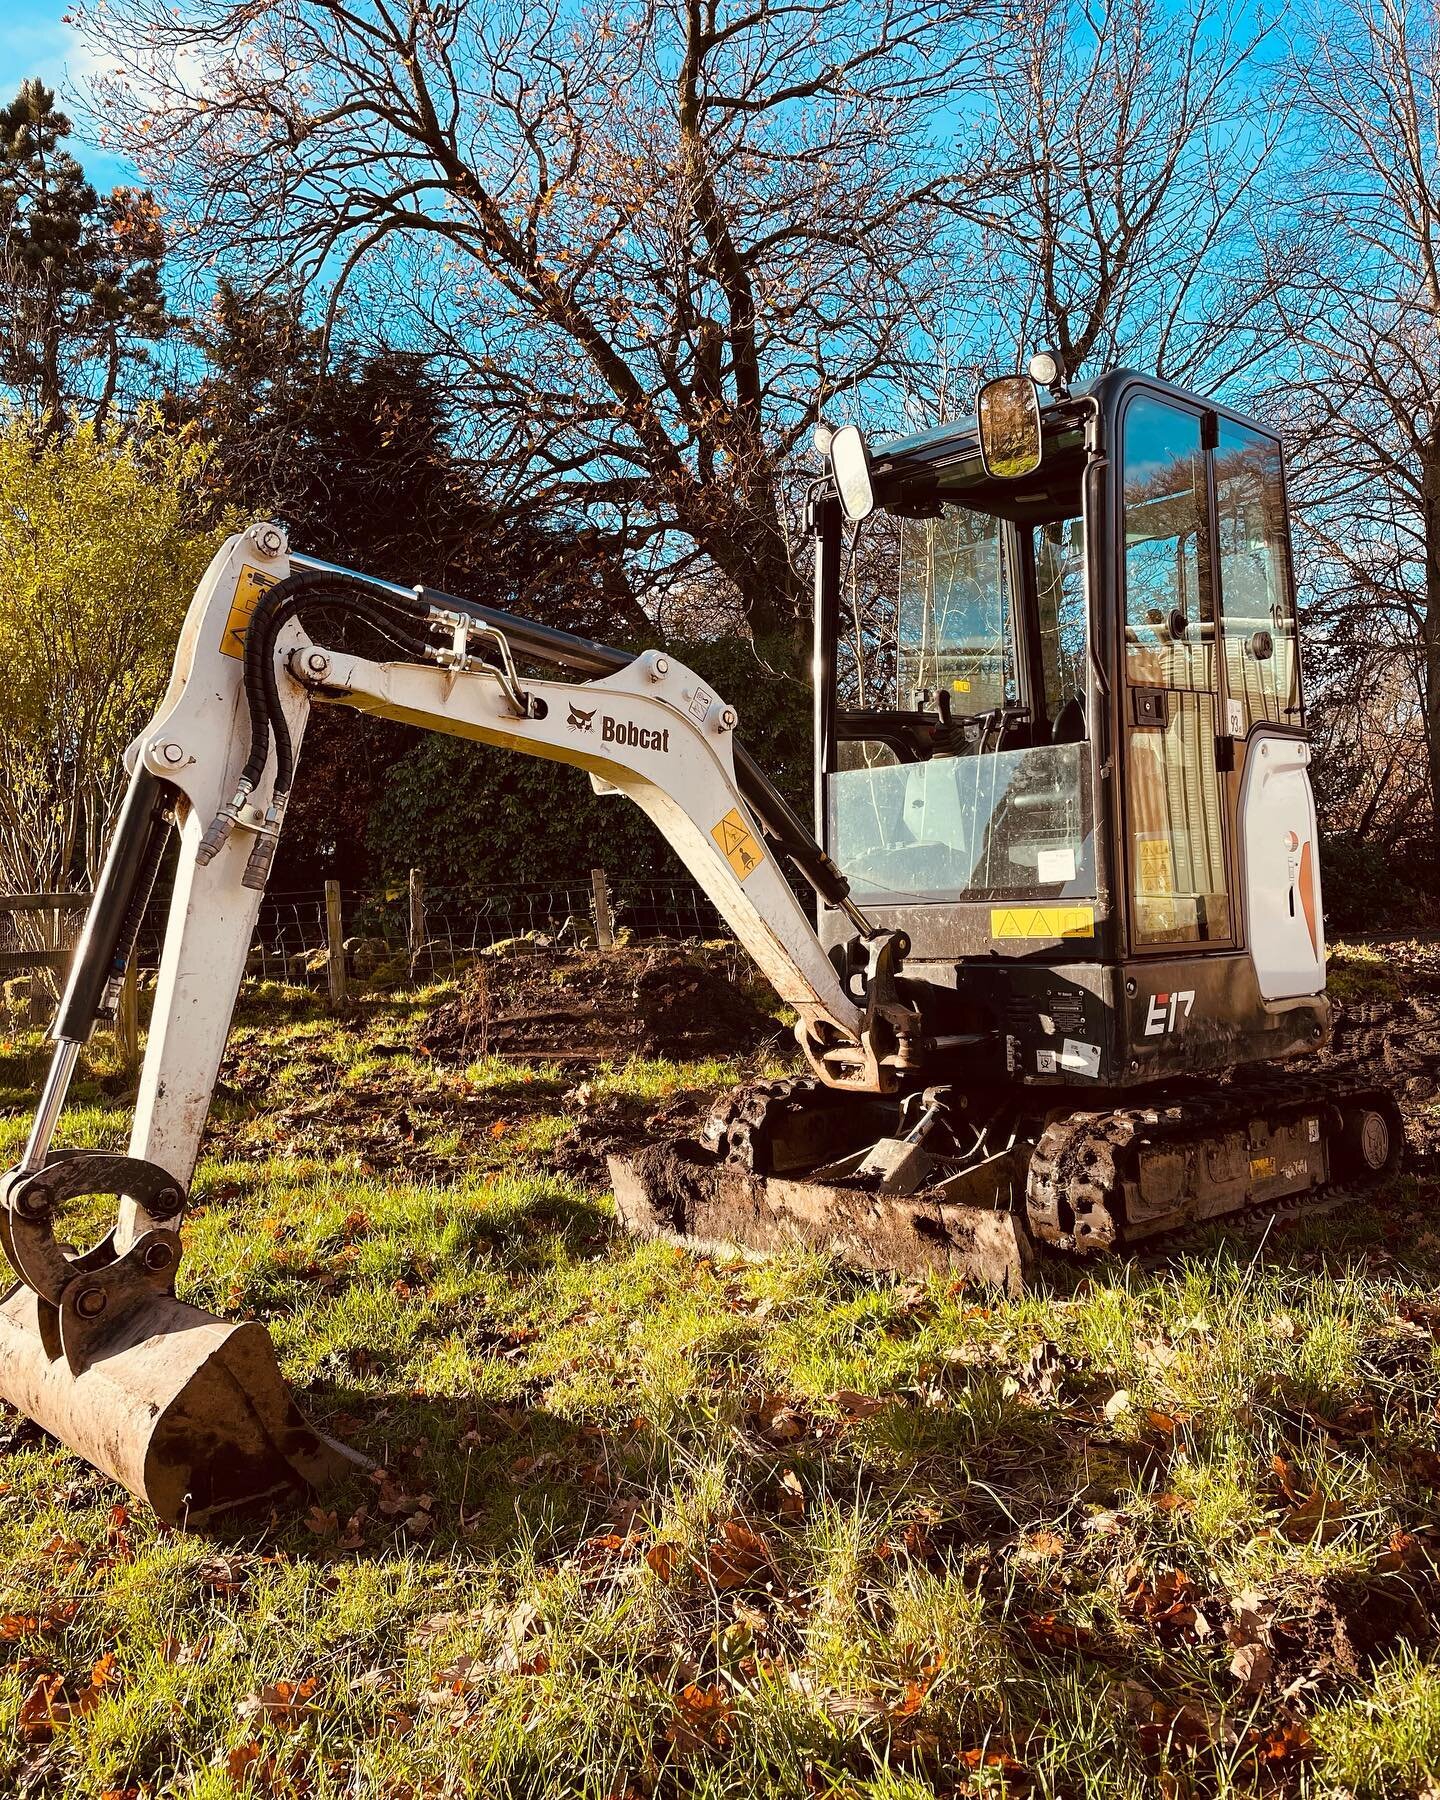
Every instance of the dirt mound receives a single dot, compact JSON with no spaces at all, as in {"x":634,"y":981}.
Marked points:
{"x":1387,"y":1027}
{"x":584,"y":1006}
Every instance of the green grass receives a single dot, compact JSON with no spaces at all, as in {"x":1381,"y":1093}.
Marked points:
{"x":634,"y":1531}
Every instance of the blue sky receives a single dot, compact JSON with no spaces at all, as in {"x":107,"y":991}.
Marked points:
{"x":35,"y":41}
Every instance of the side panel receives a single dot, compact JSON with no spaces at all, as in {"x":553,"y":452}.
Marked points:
{"x":1280,"y":869}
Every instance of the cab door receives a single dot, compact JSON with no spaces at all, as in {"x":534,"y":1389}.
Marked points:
{"x":1177,"y":849}
{"x":1279,"y":874}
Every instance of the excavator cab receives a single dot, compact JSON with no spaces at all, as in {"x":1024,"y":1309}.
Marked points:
{"x":1060,"y":736}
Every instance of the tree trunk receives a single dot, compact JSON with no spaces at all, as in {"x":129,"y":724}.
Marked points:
{"x":1430,"y":503}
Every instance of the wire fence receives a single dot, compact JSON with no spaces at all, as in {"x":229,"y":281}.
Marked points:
{"x":395,"y":934}
{"x":388,"y":934}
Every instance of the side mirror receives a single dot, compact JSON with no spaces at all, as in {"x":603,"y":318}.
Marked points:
{"x":850,"y":464}
{"x":1008,"y":412}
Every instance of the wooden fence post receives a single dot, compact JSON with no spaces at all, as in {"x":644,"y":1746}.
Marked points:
{"x":127,"y":1017}
{"x":417,"y":934}
{"x":38,"y":1009}
{"x":335,"y":946}
{"x":600,"y":898}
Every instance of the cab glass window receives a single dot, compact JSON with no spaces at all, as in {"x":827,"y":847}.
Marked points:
{"x":956,"y":628}
{"x":1178,"y":887}
{"x":1262,"y":670}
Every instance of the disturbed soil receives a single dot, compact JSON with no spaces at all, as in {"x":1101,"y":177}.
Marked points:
{"x":588,"y":1006}
{"x":1387,"y":1028}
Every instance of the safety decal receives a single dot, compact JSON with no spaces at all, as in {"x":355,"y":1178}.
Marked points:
{"x":1042,"y":921}
{"x":737,"y":840}
{"x":248,"y":589}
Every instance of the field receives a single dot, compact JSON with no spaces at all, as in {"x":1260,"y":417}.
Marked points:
{"x":645,"y":1523}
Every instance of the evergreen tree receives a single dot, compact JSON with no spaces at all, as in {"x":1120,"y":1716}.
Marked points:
{"x":82,"y":274}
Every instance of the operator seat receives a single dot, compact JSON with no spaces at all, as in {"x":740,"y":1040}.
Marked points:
{"x":1069,"y":726}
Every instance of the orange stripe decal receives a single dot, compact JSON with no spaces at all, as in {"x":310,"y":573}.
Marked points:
{"x":1307,"y":893}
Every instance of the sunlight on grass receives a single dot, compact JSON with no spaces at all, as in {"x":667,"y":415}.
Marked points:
{"x":650,"y":1523}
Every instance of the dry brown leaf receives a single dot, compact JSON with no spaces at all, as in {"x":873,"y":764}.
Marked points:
{"x":1252,"y":1666}
{"x":733,"y":1556}
{"x":285,"y":1703}
{"x":239,"y":1760}
{"x":792,"y":1495}
{"x":1042,"y":1546}
{"x":36,"y":1718}
{"x":702,"y":1719}
{"x":322,"y":1523}
{"x":778,"y":1419}
{"x":663,"y":1558}
{"x":857,"y":1406}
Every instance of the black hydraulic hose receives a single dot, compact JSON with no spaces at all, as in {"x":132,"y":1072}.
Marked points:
{"x":276,"y":606}
{"x":117,"y":908}
{"x":354,"y":607}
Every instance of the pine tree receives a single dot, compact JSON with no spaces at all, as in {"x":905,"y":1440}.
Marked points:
{"x":82,"y":274}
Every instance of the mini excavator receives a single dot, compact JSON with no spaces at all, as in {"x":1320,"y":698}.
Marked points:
{"x":1054,"y":997}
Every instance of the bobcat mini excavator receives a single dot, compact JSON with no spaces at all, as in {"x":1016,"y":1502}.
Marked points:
{"x":1063,"y":766}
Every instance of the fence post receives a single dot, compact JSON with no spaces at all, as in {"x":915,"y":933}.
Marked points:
{"x":38,"y":1009}
{"x":335,"y":946}
{"x":417,"y":931}
{"x":600,"y":898}
{"x":127,"y":1016}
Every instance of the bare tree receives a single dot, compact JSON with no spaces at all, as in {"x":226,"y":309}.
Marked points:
{"x":1363,"y":314}
{"x":1115,"y":203}
{"x":653,"y":239}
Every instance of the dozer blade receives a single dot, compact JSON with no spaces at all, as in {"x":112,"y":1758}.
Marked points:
{"x":968,"y":1229}
{"x":189,"y":1412}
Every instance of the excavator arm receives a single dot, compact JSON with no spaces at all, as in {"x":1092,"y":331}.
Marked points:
{"x":89,"y":1339}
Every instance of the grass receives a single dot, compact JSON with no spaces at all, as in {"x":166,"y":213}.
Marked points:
{"x":645,"y":1523}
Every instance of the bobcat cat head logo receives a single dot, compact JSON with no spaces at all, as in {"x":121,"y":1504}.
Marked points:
{"x":580,"y":721}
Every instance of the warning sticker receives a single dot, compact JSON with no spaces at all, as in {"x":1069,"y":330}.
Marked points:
{"x":1156,"y":873}
{"x":1042,"y":921}
{"x":737,"y":840}
{"x":248,"y":589}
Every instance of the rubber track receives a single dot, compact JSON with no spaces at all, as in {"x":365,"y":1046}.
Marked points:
{"x":1075,"y":1195}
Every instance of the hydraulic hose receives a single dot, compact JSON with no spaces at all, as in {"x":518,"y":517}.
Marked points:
{"x":386,"y":609}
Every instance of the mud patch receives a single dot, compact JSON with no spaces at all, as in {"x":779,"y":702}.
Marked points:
{"x":1387,"y":1030}
{"x":591,"y":1006}
{"x":1344,"y":1627}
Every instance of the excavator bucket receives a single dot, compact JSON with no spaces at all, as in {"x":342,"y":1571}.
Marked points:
{"x":188,"y":1411}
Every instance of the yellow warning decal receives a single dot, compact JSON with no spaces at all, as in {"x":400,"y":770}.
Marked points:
{"x":1042,"y":921}
{"x":248,"y":589}
{"x":1262,"y":1168}
{"x":737,"y":840}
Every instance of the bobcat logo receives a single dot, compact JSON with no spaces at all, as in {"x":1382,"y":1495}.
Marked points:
{"x":581,"y":721}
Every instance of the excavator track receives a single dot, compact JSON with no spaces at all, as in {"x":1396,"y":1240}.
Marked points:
{"x":1147,"y":1174}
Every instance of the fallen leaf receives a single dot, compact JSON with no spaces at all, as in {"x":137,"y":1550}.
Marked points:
{"x":734,"y":1556}
{"x":285,"y":1703}
{"x":1252,"y":1665}
{"x":857,"y":1406}
{"x":36,"y":1718}
{"x":702,"y":1719}
{"x":792,"y":1495}
{"x":663,"y":1559}
{"x":240,"y":1759}
{"x":322,"y":1523}
{"x":1041,"y":1546}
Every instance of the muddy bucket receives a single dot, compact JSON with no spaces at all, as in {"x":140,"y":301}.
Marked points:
{"x":188,"y":1411}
